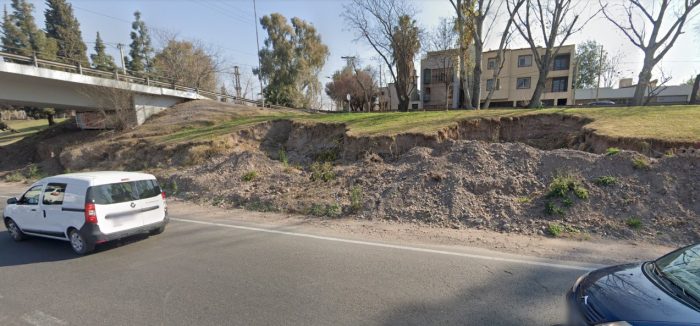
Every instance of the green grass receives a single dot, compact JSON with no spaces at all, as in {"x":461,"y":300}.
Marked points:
{"x":554,"y":229}
{"x":249,"y":176}
{"x":632,"y":122}
{"x":605,"y":180}
{"x":612,"y":151}
{"x":641,"y":163}
{"x":634,"y":223}
{"x":24,"y":128}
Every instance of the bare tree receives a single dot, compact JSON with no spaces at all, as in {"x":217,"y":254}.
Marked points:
{"x":657,"y":42}
{"x":377,"y":23}
{"x":443,"y":39}
{"x":462,"y":9}
{"x":556,"y":20}
{"x":476,"y":19}
{"x":513,"y":7}
{"x":611,"y":70}
{"x":114,"y":104}
{"x":655,"y":87}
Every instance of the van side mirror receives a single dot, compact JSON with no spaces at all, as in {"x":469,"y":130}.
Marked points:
{"x":11,"y":201}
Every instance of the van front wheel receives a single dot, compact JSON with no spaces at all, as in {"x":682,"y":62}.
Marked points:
{"x":14,"y":230}
{"x":78,"y":243}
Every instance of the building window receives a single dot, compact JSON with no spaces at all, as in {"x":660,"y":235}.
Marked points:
{"x":523,"y":83}
{"x":561,"y":62}
{"x":426,"y":76}
{"x":525,"y":60}
{"x":426,"y":95}
{"x":490,"y":84}
{"x":560,"y":84}
{"x":491,"y":64}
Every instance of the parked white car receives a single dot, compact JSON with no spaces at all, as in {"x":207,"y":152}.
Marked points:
{"x":88,"y":208}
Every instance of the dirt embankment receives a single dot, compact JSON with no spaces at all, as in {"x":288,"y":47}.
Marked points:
{"x":531,"y":175}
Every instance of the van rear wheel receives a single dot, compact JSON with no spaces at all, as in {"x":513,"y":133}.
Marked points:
{"x":78,"y":243}
{"x":14,"y":230}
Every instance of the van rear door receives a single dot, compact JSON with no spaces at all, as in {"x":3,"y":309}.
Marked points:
{"x":116,"y":206}
{"x":150,"y":201}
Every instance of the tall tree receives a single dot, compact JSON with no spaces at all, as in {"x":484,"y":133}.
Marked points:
{"x":62,"y":26}
{"x":33,"y":39}
{"x":594,"y":64}
{"x":361,"y":86}
{"x":513,"y":7}
{"x":377,"y":23}
{"x":100,"y":59}
{"x":464,"y":10}
{"x":666,"y":19}
{"x":557,"y":20}
{"x":13,"y":40}
{"x":405,"y":44}
{"x":141,"y":50}
{"x":188,"y":63}
{"x":292,"y":57}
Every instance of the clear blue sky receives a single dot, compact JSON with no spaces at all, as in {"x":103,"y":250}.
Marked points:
{"x":228,"y":25}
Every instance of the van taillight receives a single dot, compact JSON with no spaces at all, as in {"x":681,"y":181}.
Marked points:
{"x":162,"y":193}
{"x":90,"y":214}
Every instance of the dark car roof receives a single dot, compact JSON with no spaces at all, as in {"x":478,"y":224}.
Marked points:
{"x":626,"y":293}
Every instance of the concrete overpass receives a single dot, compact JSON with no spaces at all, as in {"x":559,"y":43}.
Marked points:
{"x":27,"y":81}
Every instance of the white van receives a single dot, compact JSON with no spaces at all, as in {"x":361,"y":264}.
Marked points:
{"x":88,"y":208}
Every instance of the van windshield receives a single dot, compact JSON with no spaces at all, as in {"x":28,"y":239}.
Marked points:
{"x":123,"y":192}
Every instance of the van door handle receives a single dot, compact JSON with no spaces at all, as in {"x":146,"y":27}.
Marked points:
{"x":33,"y":209}
{"x":44,"y":213}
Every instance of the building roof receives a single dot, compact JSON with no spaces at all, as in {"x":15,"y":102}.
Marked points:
{"x":628,"y":92}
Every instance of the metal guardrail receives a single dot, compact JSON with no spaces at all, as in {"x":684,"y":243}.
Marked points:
{"x":134,"y":78}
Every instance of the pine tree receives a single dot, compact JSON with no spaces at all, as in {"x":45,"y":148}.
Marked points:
{"x":62,"y":26}
{"x":13,"y":41}
{"x":33,"y":39}
{"x":141,"y":50}
{"x":101,"y":60}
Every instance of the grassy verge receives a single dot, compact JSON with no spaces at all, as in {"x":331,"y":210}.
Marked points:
{"x":671,"y":123}
{"x":24,"y":128}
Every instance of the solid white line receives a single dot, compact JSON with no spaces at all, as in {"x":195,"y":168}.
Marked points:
{"x":400,"y":247}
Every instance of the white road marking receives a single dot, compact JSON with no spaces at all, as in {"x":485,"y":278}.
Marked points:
{"x":38,"y":318}
{"x":560,"y":265}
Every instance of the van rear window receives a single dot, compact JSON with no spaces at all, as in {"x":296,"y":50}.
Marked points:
{"x":115,"y":193}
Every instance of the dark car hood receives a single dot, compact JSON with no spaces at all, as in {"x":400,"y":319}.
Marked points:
{"x":625,"y":293}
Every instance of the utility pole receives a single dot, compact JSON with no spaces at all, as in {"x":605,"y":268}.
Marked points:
{"x":237,"y":75}
{"x":257,"y":40}
{"x":121,"y":57}
{"x":600,"y":72}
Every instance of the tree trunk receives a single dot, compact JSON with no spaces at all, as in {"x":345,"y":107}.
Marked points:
{"x":535,"y":101}
{"x":642,"y":83}
{"x":403,"y":104}
{"x":49,"y":117}
{"x":476,"y":82}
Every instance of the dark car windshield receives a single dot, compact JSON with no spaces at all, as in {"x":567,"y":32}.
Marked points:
{"x":683,"y":269}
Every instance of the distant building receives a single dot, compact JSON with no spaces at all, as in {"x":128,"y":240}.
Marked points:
{"x":624,"y":94}
{"x":388,"y":99}
{"x":514,"y":86}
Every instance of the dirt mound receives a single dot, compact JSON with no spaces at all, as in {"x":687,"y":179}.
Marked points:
{"x":504,"y":187}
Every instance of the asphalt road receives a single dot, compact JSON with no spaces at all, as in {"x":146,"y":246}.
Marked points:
{"x":202,"y":273}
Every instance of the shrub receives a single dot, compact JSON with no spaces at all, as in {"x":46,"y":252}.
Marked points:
{"x":562,"y":185}
{"x":327,"y":155}
{"x":260,"y":206}
{"x":333,"y":210}
{"x":322,"y":171}
{"x":14,"y":177}
{"x":550,"y":208}
{"x":34,"y":172}
{"x":554,"y":229}
{"x":356,"y":198}
{"x":605,"y":180}
{"x":641,"y":163}
{"x":634,"y":223}
{"x":567,"y":202}
{"x":523,"y":200}
{"x":612,"y":151}
{"x":250,"y":176}
{"x":3,"y":126}
{"x":317,"y":210}
{"x":283,"y":157}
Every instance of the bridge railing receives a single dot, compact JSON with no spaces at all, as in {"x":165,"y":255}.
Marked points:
{"x":141,"y":78}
